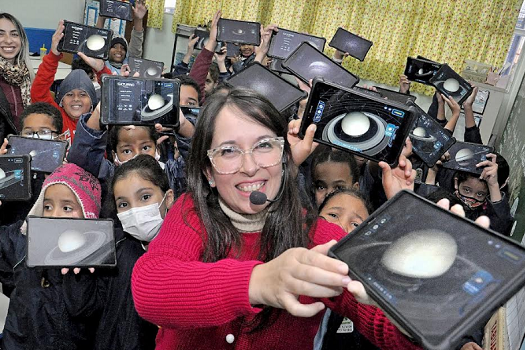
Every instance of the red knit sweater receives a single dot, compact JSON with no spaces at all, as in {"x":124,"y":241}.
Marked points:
{"x":199,"y":304}
{"x":40,"y":91}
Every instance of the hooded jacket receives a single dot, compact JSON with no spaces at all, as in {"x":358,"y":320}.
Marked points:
{"x":77,"y":79}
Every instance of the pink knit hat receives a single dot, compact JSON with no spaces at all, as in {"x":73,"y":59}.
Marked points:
{"x":84,"y":185}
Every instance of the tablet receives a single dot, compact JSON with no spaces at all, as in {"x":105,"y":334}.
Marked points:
{"x":70,"y":242}
{"x":241,"y":32}
{"x":276,"y":65}
{"x":307,"y":63}
{"x":464,"y":156}
{"x":345,"y":41}
{"x":232,"y":50}
{"x":429,"y":139}
{"x":204,"y":37}
{"x":438,"y":275}
{"x":395,"y":96}
{"x":352,"y":121}
{"x":15,"y":178}
{"x":139,"y":101}
{"x":451,"y":84}
{"x":190,"y":111}
{"x":116,"y":9}
{"x":420,"y":70}
{"x":285,"y":41}
{"x":46,"y":155}
{"x":145,"y":68}
{"x":92,"y":41}
{"x":367,"y":91}
{"x":281,"y":93}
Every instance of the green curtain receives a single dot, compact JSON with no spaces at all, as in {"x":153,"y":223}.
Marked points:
{"x":442,"y":30}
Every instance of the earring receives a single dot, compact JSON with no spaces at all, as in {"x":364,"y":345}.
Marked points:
{"x":211,"y":182}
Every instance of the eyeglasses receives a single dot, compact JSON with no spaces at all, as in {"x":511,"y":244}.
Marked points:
{"x":265,"y":153}
{"x":45,"y":134}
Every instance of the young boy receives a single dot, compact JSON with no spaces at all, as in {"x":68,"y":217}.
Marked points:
{"x":39,"y":120}
{"x":39,"y":315}
{"x":77,"y":94}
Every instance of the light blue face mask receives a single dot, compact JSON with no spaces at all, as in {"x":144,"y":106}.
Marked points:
{"x":143,"y":223}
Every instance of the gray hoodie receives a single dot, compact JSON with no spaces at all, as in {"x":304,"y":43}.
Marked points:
{"x":77,"y":79}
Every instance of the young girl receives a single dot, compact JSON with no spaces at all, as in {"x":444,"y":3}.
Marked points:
{"x":125,"y":142}
{"x":346,"y":208}
{"x":332,"y":169}
{"x":40,"y":312}
{"x":482,"y":195}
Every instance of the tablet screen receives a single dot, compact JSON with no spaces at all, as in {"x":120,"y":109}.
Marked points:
{"x":242,"y":32}
{"x":15,"y":178}
{"x":464,"y":156}
{"x":63,"y":242}
{"x":308,"y":63}
{"x":451,"y":84}
{"x":440,"y":276}
{"x":349,"y":120}
{"x":345,"y":41}
{"x":421,"y":70}
{"x":277,"y":90}
{"x":145,"y":68}
{"x":46,"y":155}
{"x":140,"y":101}
{"x":429,"y":139}
{"x":93,"y":42}
{"x":284,"y":42}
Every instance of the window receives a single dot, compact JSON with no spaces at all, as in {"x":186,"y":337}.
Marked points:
{"x":169,"y":6}
{"x":516,"y":45}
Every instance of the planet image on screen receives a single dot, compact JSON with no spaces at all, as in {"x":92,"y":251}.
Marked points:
{"x":2,"y":174}
{"x":451,"y":85}
{"x":238,"y":31}
{"x":355,"y":124}
{"x":421,"y":71}
{"x":155,"y":101}
{"x":151,"y":71}
{"x":71,"y":240}
{"x":95,"y":42}
{"x":421,"y":134}
{"x":427,"y":253}
{"x":464,"y":156}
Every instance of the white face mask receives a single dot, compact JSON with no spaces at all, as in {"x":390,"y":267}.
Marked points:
{"x":143,"y":223}
{"x":118,"y":162}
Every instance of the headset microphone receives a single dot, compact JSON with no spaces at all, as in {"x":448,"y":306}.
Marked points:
{"x":259,"y":198}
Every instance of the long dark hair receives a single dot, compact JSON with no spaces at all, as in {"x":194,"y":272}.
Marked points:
{"x":23,"y":55}
{"x":143,"y":165}
{"x":286,"y":225}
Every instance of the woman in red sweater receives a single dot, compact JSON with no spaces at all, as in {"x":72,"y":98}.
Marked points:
{"x":229,"y":272}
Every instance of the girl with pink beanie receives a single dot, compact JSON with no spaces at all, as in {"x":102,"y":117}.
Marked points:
{"x":39,"y":315}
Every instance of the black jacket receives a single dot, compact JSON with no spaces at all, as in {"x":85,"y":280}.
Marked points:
{"x":7,"y":126}
{"x":39,"y":315}
{"x":109,"y":296}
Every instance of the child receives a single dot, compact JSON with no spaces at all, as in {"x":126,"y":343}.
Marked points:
{"x":39,"y":313}
{"x":346,"y":208}
{"x":125,"y":142}
{"x":331,"y":170}
{"x":482,"y":195}
{"x":77,"y":94}
{"x":140,"y":197}
{"x":39,"y":120}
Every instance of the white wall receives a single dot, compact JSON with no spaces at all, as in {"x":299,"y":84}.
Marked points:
{"x":44,"y":13}
{"x":158,"y":44}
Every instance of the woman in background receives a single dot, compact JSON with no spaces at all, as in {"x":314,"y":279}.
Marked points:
{"x":16,"y":73}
